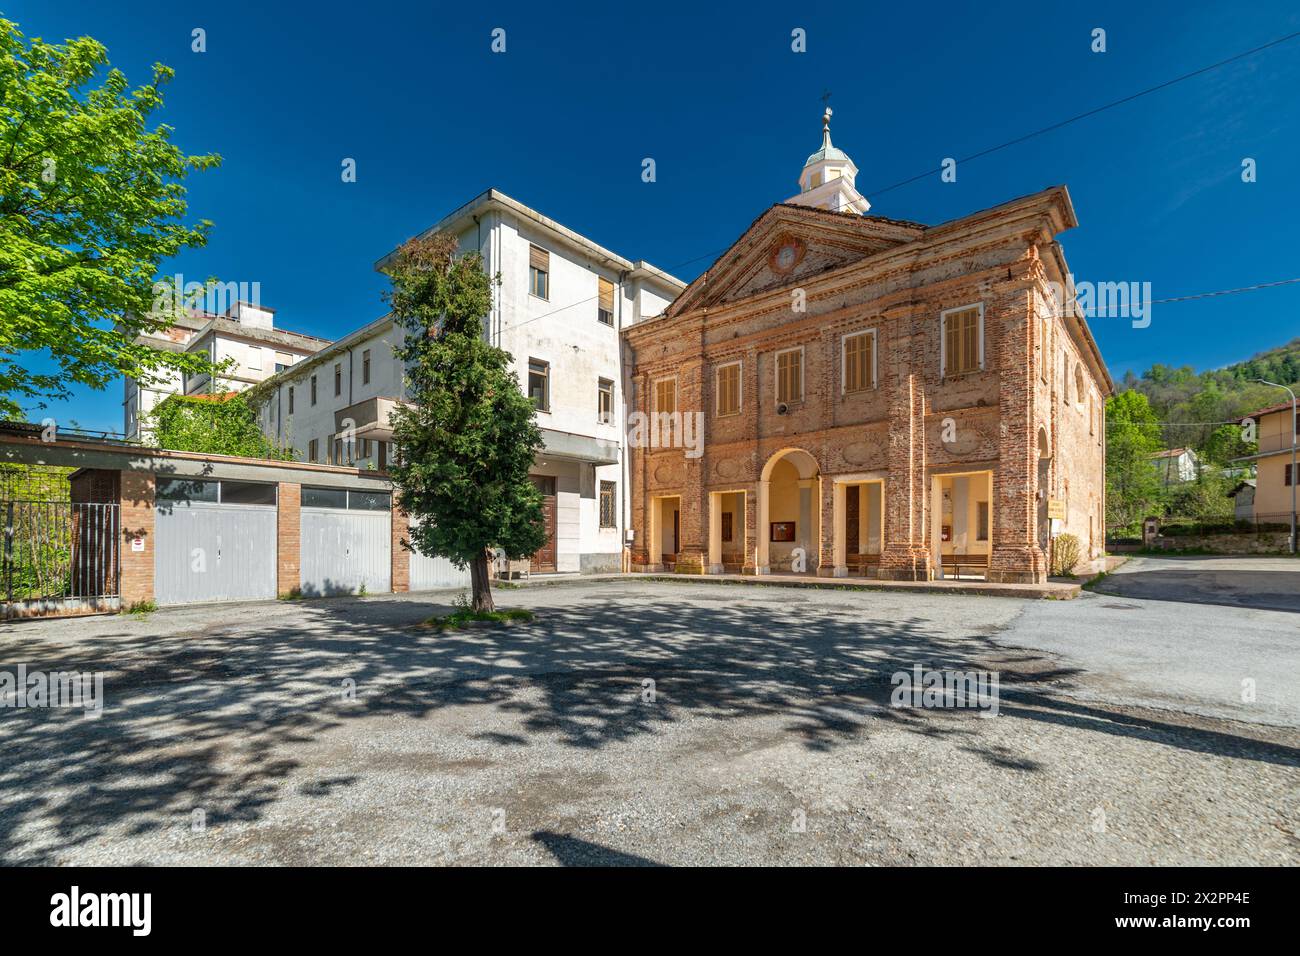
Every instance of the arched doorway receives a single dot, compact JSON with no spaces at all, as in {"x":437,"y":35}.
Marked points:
{"x":789,"y":513}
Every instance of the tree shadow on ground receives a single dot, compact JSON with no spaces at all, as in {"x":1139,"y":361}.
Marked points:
{"x":209,"y":716}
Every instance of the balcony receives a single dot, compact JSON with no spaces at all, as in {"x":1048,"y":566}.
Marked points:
{"x":370,"y":418}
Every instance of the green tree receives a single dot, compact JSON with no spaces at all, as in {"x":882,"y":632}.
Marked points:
{"x":212,"y":425}
{"x":467,"y":440}
{"x":1205,"y":499}
{"x":1225,"y":444}
{"x":91,"y":202}
{"x":1133,"y":488}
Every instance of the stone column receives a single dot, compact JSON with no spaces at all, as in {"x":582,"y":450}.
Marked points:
{"x":715,"y":534}
{"x":832,"y":508}
{"x":751,"y":531}
{"x":762,"y":560}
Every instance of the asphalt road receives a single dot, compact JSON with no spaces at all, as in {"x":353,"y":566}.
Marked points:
{"x":1206,"y":635}
{"x":340,"y":732}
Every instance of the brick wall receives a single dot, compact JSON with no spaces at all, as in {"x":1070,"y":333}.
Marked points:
{"x":289,"y":539}
{"x":137,"y":521}
{"x":893,"y":431}
{"x":401,"y":557}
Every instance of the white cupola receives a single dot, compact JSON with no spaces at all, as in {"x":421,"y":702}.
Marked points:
{"x":827,"y":178}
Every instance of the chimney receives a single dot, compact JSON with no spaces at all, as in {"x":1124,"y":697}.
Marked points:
{"x":253,"y":316}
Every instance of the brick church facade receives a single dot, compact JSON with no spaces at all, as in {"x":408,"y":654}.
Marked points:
{"x":871,"y":396}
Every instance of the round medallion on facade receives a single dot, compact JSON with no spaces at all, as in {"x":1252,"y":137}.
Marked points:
{"x":669,"y":473}
{"x":728,"y":468}
{"x":860,"y":453}
{"x":786,"y":254}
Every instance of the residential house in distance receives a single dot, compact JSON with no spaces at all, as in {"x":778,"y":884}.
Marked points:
{"x":879,"y":396}
{"x":558,"y":311}
{"x":1176,"y":465}
{"x":1243,"y":500}
{"x":244,"y":333}
{"x":1273,"y":473}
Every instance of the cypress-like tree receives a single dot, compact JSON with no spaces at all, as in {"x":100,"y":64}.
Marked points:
{"x":467,"y":439}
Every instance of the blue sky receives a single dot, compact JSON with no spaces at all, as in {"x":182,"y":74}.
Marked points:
{"x":715,"y":95}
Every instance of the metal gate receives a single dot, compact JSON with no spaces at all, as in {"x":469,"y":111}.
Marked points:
{"x":347,"y":540}
{"x":59,"y":557}
{"x":213,"y":544}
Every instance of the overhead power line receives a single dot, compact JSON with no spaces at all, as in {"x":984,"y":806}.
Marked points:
{"x":1094,"y":111}
{"x":1013,"y":142}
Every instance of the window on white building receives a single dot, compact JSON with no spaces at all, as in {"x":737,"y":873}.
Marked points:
{"x":539,"y":272}
{"x":539,"y":384}
{"x":604,"y":401}
{"x":605,"y":304}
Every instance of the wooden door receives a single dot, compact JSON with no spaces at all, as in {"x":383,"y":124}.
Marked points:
{"x":544,"y":559}
{"x":852,"y":520}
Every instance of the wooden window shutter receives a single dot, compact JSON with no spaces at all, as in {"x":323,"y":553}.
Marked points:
{"x":606,"y":294}
{"x":539,"y":259}
{"x":951,"y":348}
{"x":971,"y":358}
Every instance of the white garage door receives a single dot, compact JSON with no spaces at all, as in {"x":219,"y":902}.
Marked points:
{"x":346,"y":542}
{"x":214,"y":541}
{"x":428,"y":574}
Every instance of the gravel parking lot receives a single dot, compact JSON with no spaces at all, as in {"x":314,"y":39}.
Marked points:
{"x":341,"y":732}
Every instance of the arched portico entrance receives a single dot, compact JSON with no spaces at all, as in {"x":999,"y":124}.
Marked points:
{"x":789,"y":513}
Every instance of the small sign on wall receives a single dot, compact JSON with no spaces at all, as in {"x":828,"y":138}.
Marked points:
{"x":137,"y":543}
{"x":782,"y":530}
{"x":1056,"y":509}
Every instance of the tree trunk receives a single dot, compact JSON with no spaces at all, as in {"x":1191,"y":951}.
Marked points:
{"x":482,"y":581}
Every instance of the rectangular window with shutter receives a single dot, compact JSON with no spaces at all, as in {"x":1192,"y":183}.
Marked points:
{"x":539,"y":272}
{"x":313,"y":389}
{"x":365,"y":367}
{"x":604,"y":401}
{"x":665,"y":396}
{"x":290,"y":399}
{"x":859,"y":362}
{"x":605,"y":301}
{"x":539,"y":384}
{"x":963,"y":339}
{"x":727,"y":387}
{"x":338,"y":380}
{"x":789,"y":375}
{"x":608,"y":504}
{"x":311,"y":450}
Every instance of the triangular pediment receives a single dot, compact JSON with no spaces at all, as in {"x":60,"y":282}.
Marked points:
{"x":787,"y":245}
